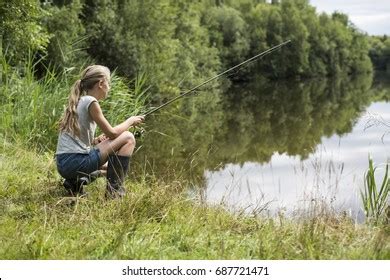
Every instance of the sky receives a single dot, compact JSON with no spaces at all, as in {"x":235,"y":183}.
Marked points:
{"x":370,"y":16}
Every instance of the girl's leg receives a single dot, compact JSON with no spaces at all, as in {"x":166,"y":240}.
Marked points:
{"x":103,"y":169}
{"x":123,"y":145}
{"x":117,"y":152}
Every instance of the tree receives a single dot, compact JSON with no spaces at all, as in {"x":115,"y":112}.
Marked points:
{"x":67,"y":43}
{"x":21,"y":29}
{"x":380,"y":52}
{"x":228,"y":33}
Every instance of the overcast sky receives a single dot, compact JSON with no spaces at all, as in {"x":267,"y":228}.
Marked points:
{"x":371,"y":16}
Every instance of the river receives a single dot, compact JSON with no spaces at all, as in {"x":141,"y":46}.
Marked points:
{"x":273,"y":147}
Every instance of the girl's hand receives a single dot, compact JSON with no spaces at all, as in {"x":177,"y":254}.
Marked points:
{"x":136,"y":120}
{"x":99,"y":139}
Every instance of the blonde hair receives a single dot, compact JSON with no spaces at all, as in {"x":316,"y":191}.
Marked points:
{"x":89,"y":77}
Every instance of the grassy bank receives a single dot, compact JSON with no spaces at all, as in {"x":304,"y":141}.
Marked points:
{"x":155,"y":221}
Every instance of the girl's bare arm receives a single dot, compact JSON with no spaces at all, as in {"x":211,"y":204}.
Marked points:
{"x":111,"y":132}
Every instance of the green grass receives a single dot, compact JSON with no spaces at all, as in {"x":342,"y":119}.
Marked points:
{"x":156,"y":220}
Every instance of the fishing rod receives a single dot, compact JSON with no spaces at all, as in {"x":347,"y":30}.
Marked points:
{"x":217,"y":76}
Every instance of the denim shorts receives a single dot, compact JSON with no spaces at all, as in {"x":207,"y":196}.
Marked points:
{"x":72,"y":165}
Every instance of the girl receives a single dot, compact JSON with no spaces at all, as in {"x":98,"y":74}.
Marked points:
{"x":79,"y":155}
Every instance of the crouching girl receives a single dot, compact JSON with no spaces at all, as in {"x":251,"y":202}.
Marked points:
{"x":80,"y":156}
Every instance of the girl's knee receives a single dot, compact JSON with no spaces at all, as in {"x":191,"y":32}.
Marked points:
{"x":128,"y":137}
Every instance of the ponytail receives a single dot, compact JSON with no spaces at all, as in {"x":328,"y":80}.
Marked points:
{"x":89,"y":77}
{"x":69,"y":123}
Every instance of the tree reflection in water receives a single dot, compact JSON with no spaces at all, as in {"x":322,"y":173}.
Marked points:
{"x":250,"y":123}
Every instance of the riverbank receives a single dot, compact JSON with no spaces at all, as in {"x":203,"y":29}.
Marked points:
{"x":156,"y":220}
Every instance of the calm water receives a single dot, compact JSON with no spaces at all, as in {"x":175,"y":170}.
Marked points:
{"x":271,"y":147}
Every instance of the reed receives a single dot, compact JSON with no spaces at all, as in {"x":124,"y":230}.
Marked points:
{"x":375,"y":199}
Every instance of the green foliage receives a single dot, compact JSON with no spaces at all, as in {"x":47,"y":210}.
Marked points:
{"x":380,"y":52}
{"x":67,"y":43}
{"x":176,"y":41}
{"x":227,"y":32}
{"x":195,"y":59}
{"x":322,"y":45}
{"x":297,"y":55}
{"x":21,"y":28}
{"x":375,"y":198}
{"x":161,"y":38}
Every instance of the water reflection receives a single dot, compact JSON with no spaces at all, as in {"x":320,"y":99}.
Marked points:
{"x":278,"y":144}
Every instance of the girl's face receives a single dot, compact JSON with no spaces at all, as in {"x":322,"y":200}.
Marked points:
{"x":104,"y":85}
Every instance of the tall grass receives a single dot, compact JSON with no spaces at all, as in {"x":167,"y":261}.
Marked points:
{"x":31,"y":107}
{"x":375,"y":197}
